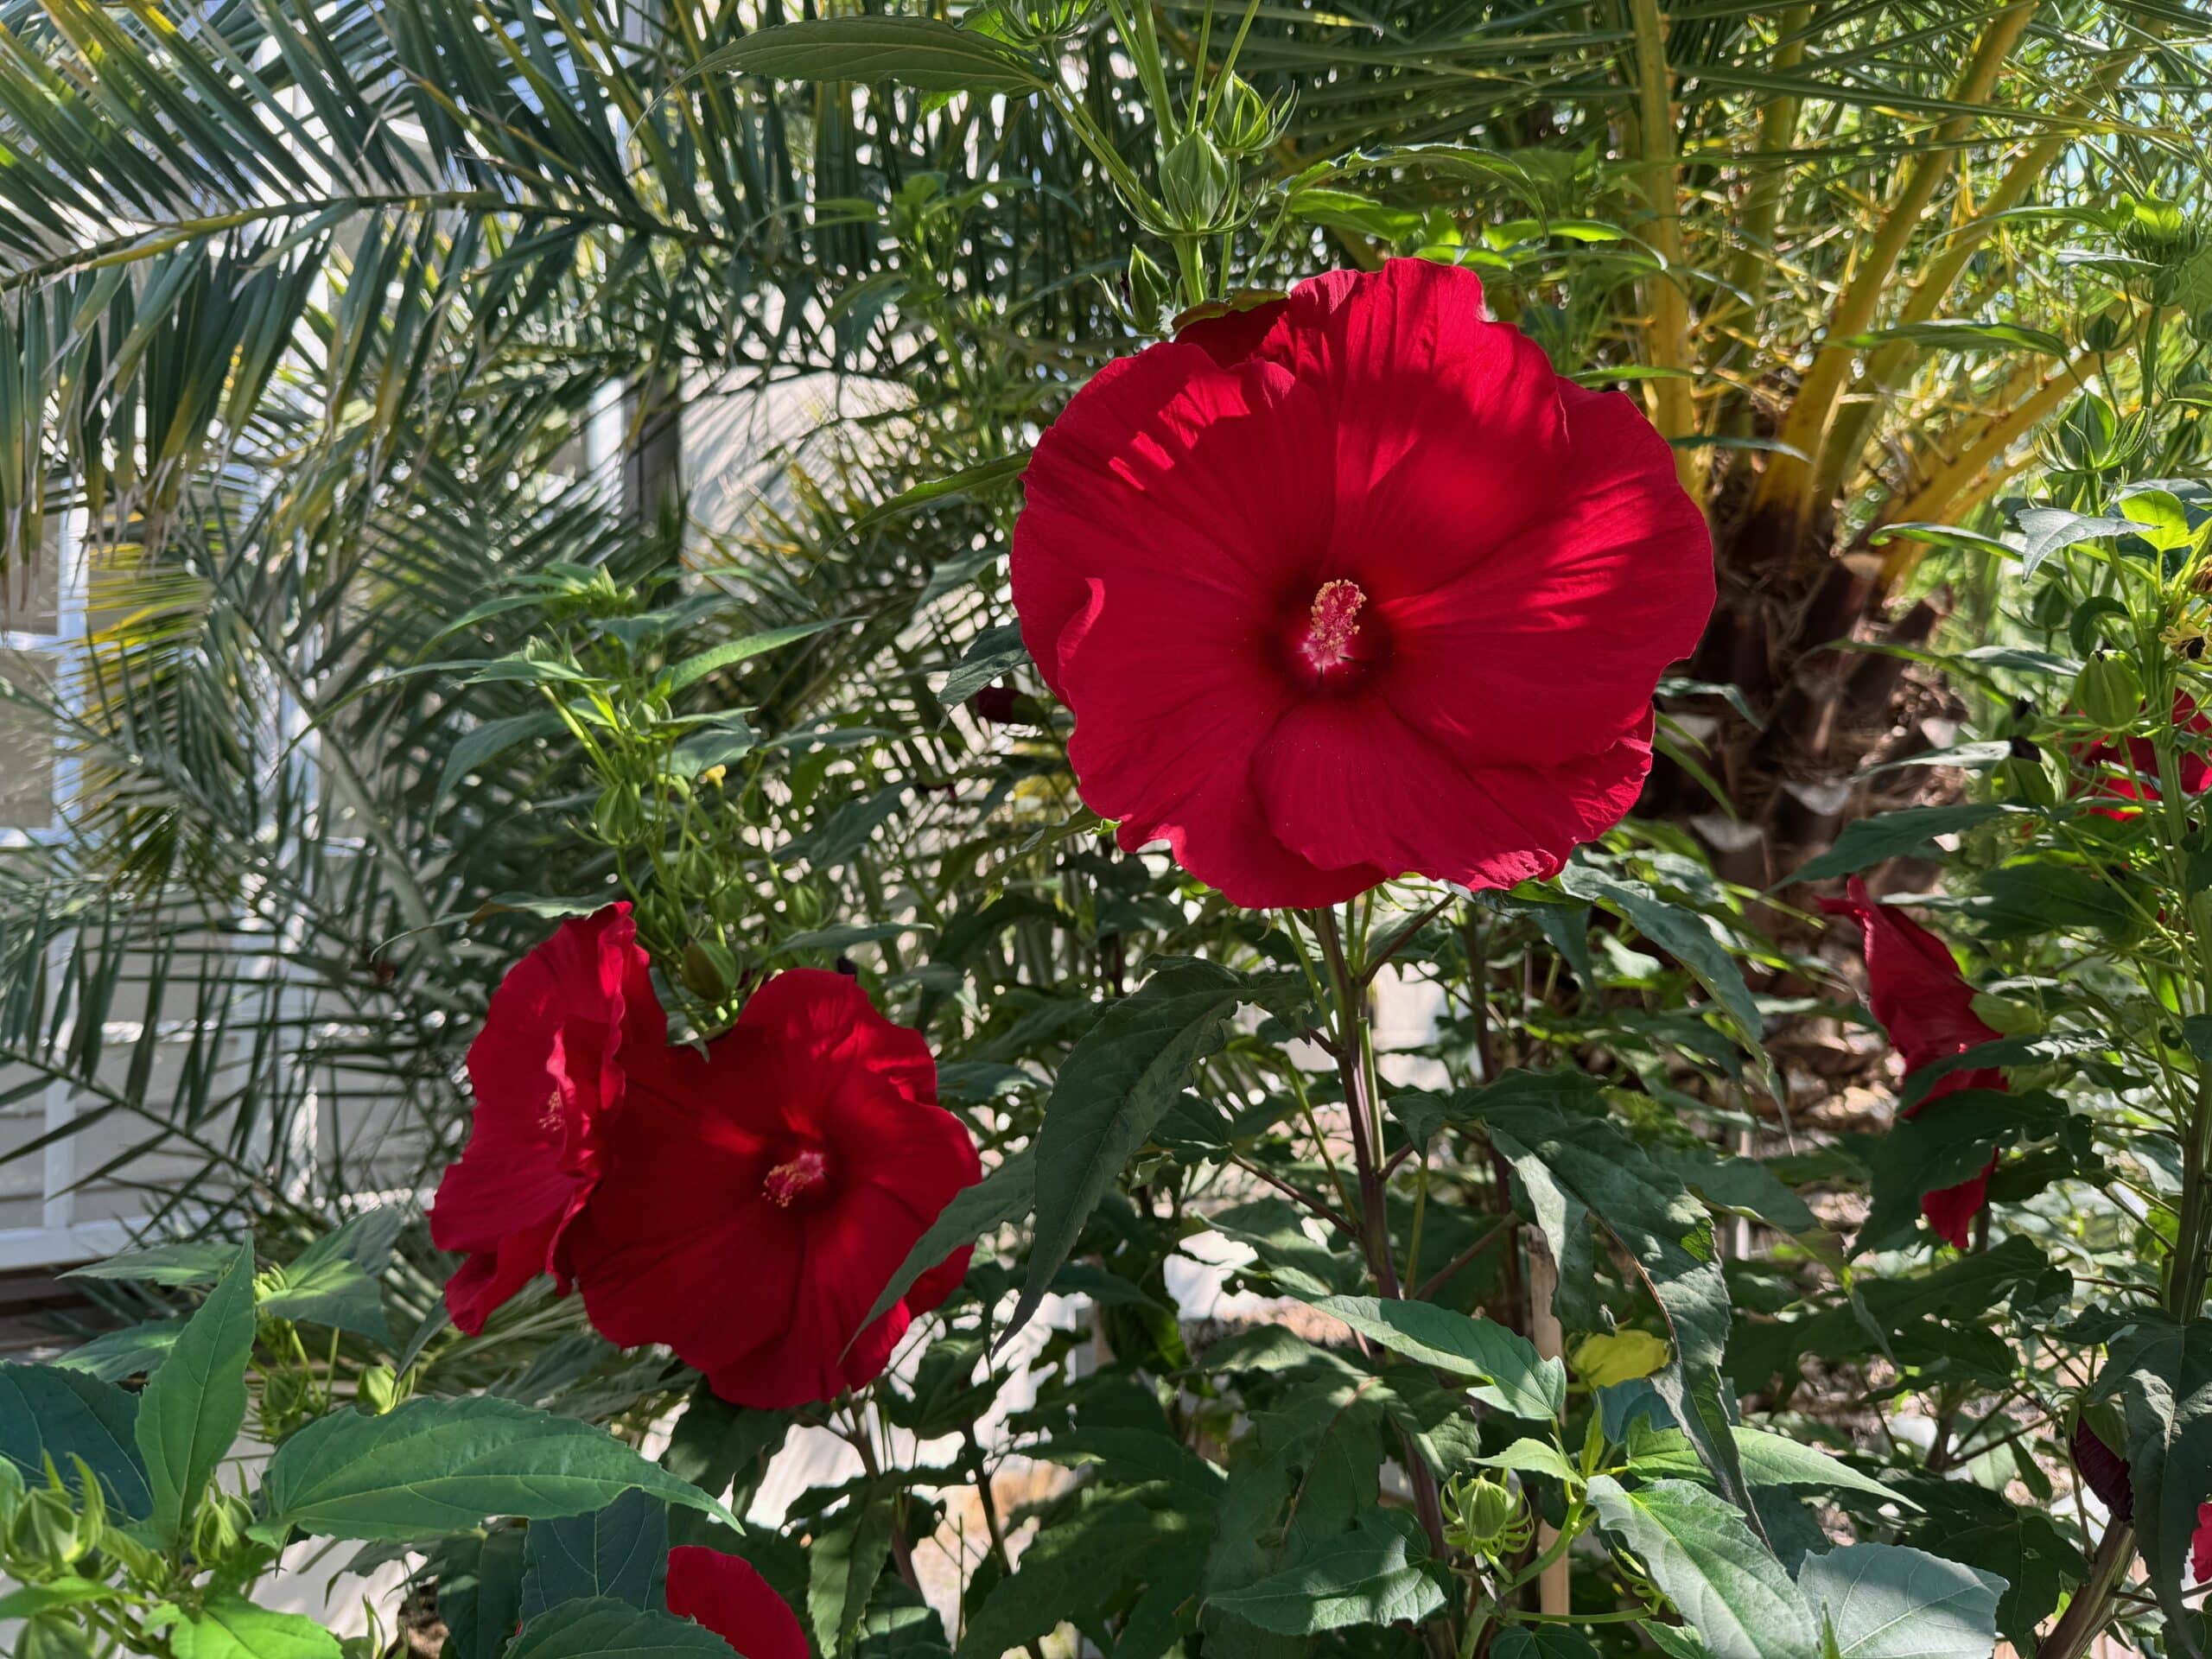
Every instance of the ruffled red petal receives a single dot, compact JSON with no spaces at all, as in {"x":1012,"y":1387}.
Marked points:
{"x":729,"y":1597}
{"x":548,"y":1065}
{"x":1525,"y":564}
{"x":2200,"y":1545}
{"x":749,"y":1217}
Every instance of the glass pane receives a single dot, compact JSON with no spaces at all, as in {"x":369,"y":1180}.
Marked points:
{"x":26,"y":748}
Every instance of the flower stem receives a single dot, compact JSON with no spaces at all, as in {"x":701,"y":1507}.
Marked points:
{"x":1356,"y":1068}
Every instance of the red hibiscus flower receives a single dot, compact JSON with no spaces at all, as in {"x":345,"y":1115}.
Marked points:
{"x":1927,"y":1006}
{"x":1351,"y":585}
{"x":750,"y":1216}
{"x":549,"y":1063}
{"x":2135,"y":779}
{"x":733,"y":1601}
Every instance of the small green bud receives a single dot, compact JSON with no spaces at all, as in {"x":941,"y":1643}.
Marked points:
{"x":1486,"y":1517}
{"x":2025,"y":779}
{"x":1148,"y":293}
{"x":45,"y":1528}
{"x":709,"y":970}
{"x":1044,"y":22}
{"x":1243,"y":121}
{"x":55,"y":1635}
{"x":1196,"y":183}
{"x":618,"y":816}
{"x":2108,"y":691}
{"x":804,"y":904}
{"x":222,"y":1524}
{"x":379,"y":1389}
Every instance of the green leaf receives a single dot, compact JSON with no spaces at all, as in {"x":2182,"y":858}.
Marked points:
{"x":844,"y":1562}
{"x":2161,"y":1372}
{"x":192,"y":1409}
{"x":480,"y":1591}
{"x":1083,"y":1561}
{"x":54,"y":1596}
{"x":1770,"y":1459}
{"x":1953,"y":336}
{"x":1116,"y":1086}
{"x":230,"y":1627}
{"x":483,"y":744}
{"x":335,"y":1281}
{"x":46,"y":1412}
{"x":1685,"y":934}
{"x":916,"y":52}
{"x":1906,"y":833}
{"x":1514,"y":1378}
{"x":432,"y":1466}
{"x":993,"y":652}
{"x":615,"y":1629}
{"x":1541,"y":1642}
{"x":1885,"y":1601}
{"x":1945,"y":1142}
{"x":191,"y":1263}
{"x":2046,"y":530}
{"x":1006,"y":1194}
{"x":119,"y":1354}
{"x":1528,"y":1457}
{"x":722,"y":741}
{"x":1726,"y":1582}
{"x":1378,"y":1574}
{"x":900,"y":1625}
{"x":1574,"y":1164}
{"x":616,"y":1553}
{"x":979,"y":480}
{"x":730,"y":652}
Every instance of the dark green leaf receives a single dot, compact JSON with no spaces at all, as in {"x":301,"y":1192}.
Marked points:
{"x":46,"y":1411}
{"x":619,"y":1554}
{"x":1698,"y":1550}
{"x":916,"y":52}
{"x":2161,"y":1373}
{"x":1005,"y":1194}
{"x":731,"y":652}
{"x":615,"y":1629}
{"x":1378,"y":1574}
{"x":1885,"y":1601}
{"x":432,"y":1466}
{"x":191,"y":1263}
{"x":842,"y":1564}
{"x":1906,"y":833}
{"x":1118,"y":1083}
{"x":192,"y":1406}
{"x":1512,"y":1377}
{"x":483,"y":744}
{"x":994,"y":652}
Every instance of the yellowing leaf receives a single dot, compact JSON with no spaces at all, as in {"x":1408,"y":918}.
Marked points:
{"x":1602,"y":1361}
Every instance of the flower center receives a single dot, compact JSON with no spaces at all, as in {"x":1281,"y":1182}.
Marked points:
{"x":1332,"y":626}
{"x":787,"y":1181}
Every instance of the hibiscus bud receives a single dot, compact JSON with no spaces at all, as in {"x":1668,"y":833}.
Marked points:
{"x":1045,"y":23}
{"x":2104,"y":1471}
{"x":709,"y":970}
{"x":1243,"y":121}
{"x":2023,"y":777}
{"x":55,"y":1635}
{"x":379,"y":1388}
{"x":618,"y":816}
{"x":223,"y":1522}
{"x":1197,"y":182}
{"x":45,"y":1528}
{"x":804,"y":906}
{"x":994,"y":704}
{"x":1148,"y":292}
{"x":1486,"y":1517}
{"x":2108,"y":691}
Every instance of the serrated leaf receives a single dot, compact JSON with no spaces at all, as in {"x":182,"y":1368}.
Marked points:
{"x":1906,"y":833}
{"x":1116,"y":1086}
{"x":1770,"y":1459}
{"x":192,"y":1407}
{"x":844,"y":1562}
{"x":1512,"y":1376}
{"x":335,"y":1281}
{"x":432,"y":1466}
{"x":115,"y":1355}
{"x":616,"y":1554}
{"x":613,"y":1629}
{"x":227,"y":1626}
{"x":1885,"y":1601}
{"x":1378,"y":1574}
{"x":189,"y":1262}
{"x":2046,"y":530}
{"x":916,"y":52}
{"x":730,"y":652}
{"x":1541,"y":1642}
{"x":1080,"y":1562}
{"x":484,"y":744}
{"x":1005,"y":1194}
{"x":993,"y":652}
{"x":48,"y":1412}
{"x":2161,"y":1373}
{"x":1698,"y":1551}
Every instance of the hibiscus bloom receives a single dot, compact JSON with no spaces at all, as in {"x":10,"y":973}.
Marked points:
{"x":2108,"y":1476}
{"x":1351,"y":585}
{"x":748,"y":1217}
{"x":549,"y":1062}
{"x":2135,"y":778}
{"x":1927,"y":1006}
{"x":733,"y":1601}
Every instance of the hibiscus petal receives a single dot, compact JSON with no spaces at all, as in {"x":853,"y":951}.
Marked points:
{"x":731,"y":1599}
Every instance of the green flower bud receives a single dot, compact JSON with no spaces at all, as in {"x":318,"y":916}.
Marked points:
{"x":1243,"y":121}
{"x":2025,"y":779}
{"x":1196,"y":183}
{"x":709,"y":970}
{"x":618,"y":816}
{"x":1044,"y":22}
{"x":2108,"y":691}
{"x":805,"y":906}
{"x":1486,"y":1517}
{"x":221,"y":1525}
{"x":12,"y":1493}
{"x":1147,"y":294}
{"x":55,"y":1635}
{"x":45,"y":1528}
{"x":379,"y":1389}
